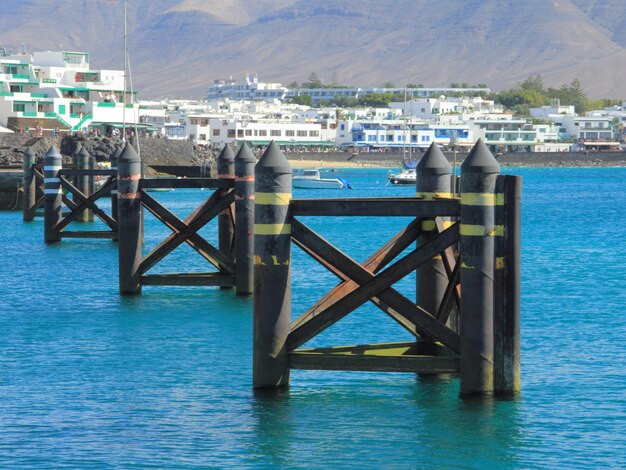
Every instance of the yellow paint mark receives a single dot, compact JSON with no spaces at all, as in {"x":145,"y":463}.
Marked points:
{"x":430,"y":196}
{"x":481,"y":230}
{"x":466,"y":266}
{"x":500,"y":199}
{"x":428,"y":225}
{"x":478,"y":199}
{"x":278,"y":263}
{"x":473,"y":230}
{"x":499,"y":262}
{"x":272,"y":229}
{"x":258,"y":261}
{"x":273,"y":199}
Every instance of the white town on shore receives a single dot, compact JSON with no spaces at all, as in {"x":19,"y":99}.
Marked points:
{"x":47,"y":92}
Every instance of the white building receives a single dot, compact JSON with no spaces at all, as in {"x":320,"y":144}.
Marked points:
{"x":262,"y":131}
{"x":53,"y":90}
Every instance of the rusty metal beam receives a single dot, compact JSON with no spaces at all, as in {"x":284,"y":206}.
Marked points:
{"x":198,"y":219}
{"x":371,"y":286}
{"x":198,"y":243}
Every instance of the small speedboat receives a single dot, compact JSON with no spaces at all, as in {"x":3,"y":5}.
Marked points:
{"x":310,"y":179}
{"x":406,"y":176}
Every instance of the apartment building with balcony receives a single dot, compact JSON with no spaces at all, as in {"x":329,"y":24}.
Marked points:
{"x":58,"y":90}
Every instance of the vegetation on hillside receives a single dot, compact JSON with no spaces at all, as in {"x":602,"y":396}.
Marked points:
{"x":531,"y":93}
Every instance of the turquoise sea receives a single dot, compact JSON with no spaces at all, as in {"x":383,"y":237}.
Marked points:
{"x":92,"y":380}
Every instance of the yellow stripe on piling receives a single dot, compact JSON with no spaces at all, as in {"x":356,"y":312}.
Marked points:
{"x":481,"y":230}
{"x":478,"y":199}
{"x":272,"y":229}
{"x":273,"y":199}
{"x":430,"y":196}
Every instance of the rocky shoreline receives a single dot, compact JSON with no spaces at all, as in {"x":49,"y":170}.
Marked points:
{"x":162,"y":152}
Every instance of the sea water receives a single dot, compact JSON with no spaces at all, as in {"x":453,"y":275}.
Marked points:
{"x":89,"y":379}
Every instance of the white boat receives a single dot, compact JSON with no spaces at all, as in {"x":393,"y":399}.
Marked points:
{"x":406,"y":176}
{"x":311,"y":179}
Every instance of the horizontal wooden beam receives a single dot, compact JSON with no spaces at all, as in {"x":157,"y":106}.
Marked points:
{"x":392,"y":357}
{"x":385,"y":207}
{"x":88,"y":172}
{"x":212,"y":183}
{"x":88,"y":234}
{"x":188,"y":279}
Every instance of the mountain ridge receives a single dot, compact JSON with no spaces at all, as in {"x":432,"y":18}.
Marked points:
{"x":179,"y":47}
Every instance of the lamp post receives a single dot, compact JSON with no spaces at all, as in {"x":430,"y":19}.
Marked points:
{"x":453,"y":142}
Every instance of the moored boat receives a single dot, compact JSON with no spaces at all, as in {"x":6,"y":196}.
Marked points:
{"x":406,"y":176}
{"x":310,"y":179}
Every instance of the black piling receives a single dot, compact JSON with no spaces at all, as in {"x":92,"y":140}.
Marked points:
{"x":29,"y":185}
{"x":82,"y":181}
{"x":433,"y":182}
{"x":244,"y":220}
{"x":508,"y":281}
{"x":130,"y":221}
{"x":53,"y":195}
{"x":479,"y":173}
{"x":272,"y":269}
{"x":114,"y":158}
{"x":92,"y":186}
{"x":225,"y":220}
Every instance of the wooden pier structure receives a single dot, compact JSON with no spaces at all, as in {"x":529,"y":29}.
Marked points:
{"x":465,"y":252}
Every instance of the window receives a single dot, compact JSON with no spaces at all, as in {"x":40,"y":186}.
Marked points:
{"x":193,"y":121}
{"x":314,"y":133}
{"x":390,"y":138}
{"x":275,"y":133}
{"x":301,"y":133}
{"x":202,"y":136}
{"x":371,"y":138}
{"x":204,"y":122}
{"x":343,"y":127}
{"x":231,"y":133}
{"x":239,"y":133}
{"x":216,"y":132}
{"x":248,"y":132}
{"x":19,"y":107}
{"x":262,"y":132}
{"x":290,"y":133}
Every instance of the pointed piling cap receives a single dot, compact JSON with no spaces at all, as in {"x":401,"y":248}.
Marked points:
{"x":225,"y":163}
{"x":480,"y":160}
{"x":52,"y":154}
{"x":116,"y":153}
{"x":83,"y":153}
{"x":434,"y":162}
{"x":245,"y":154}
{"x":273,"y":161}
{"x":226,"y":155}
{"x":29,"y":153}
{"x":129,"y":155}
{"x":77,"y":149}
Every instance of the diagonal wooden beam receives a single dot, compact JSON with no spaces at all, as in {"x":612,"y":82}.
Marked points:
{"x":349,"y":286}
{"x":371,"y":286}
{"x":198,"y":219}
{"x":448,"y":300}
{"x":87,"y":203}
{"x":375,"y":263}
{"x":449,"y":263}
{"x":198,"y":243}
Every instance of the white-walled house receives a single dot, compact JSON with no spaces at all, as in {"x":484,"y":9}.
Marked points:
{"x":59,"y":90}
{"x":262,"y":131}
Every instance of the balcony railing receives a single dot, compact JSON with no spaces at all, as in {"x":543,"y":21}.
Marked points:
{"x":20,"y":76}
